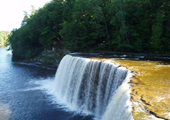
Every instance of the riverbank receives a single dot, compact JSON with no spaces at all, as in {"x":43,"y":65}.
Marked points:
{"x":47,"y":58}
{"x":22,"y":96}
{"x":52,"y":58}
{"x":149,"y":84}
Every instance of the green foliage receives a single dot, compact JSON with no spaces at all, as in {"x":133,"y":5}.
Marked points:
{"x":47,"y":58}
{"x":38,"y":31}
{"x":89,"y":25}
{"x":50,"y":58}
{"x":155,"y":40}
{"x":4,"y":38}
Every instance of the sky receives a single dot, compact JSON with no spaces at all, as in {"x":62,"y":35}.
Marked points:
{"x":12,"y":12}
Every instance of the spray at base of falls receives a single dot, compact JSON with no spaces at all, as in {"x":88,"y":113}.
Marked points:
{"x":94,"y":87}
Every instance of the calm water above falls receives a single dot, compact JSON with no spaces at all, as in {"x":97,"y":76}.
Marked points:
{"x":21,"y":98}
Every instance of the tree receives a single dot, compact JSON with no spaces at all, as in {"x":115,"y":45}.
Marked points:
{"x":157,"y":31}
{"x":95,"y":25}
{"x":4,"y":37}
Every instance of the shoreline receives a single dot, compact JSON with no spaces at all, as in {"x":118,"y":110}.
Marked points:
{"x":54,"y":62}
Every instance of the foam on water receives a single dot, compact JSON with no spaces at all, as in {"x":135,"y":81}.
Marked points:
{"x":91,"y":87}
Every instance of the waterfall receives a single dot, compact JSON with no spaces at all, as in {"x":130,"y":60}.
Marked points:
{"x":94,"y":87}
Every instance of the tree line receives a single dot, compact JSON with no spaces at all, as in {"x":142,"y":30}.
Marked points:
{"x":4,"y":38}
{"x":95,"y":25}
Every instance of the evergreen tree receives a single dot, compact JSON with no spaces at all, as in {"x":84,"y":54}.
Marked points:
{"x":89,"y":25}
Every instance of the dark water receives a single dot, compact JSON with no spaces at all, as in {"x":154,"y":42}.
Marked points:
{"x":125,"y":55}
{"x":23,"y":98}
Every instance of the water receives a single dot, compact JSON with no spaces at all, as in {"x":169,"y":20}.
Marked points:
{"x":22,"y":96}
{"x":93,"y":87}
{"x":81,"y":89}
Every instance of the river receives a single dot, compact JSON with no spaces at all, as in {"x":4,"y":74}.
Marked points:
{"x":21,"y":98}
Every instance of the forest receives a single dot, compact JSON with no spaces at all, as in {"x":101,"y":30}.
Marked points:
{"x":4,"y":38}
{"x":95,"y":25}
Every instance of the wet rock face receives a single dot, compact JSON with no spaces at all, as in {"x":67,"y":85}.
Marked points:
{"x":51,"y":58}
{"x":150,"y":93}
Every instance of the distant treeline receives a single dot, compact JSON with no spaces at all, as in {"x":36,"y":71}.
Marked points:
{"x":4,"y":37}
{"x":95,"y":25}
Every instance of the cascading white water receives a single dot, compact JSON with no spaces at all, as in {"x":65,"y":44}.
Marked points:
{"x":94,"y":87}
{"x":119,"y":108}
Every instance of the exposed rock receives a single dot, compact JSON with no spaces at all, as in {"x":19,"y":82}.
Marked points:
{"x":51,"y":58}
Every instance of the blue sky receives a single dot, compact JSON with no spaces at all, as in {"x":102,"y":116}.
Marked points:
{"x":11,"y":12}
